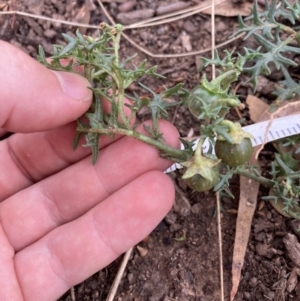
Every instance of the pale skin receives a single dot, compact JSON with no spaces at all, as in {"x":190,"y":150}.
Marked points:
{"x":61,"y":218}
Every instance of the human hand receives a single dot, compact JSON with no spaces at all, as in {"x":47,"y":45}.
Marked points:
{"x":63,"y":219}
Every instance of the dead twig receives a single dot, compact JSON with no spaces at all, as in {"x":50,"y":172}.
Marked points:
{"x":114,"y":287}
{"x":213,"y":45}
{"x":171,"y":17}
{"x":72,"y":293}
{"x":163,"y":55}
{"x":25,"y":14}
{"x":137,"y":25}
{"x":220,"y":246}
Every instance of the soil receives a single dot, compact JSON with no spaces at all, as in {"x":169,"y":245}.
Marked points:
{"x":182,"y":260}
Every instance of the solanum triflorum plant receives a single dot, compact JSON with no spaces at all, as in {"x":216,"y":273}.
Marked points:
{"x":98,"y":60}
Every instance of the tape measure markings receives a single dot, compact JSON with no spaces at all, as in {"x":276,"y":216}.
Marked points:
{"x":280,"y":128}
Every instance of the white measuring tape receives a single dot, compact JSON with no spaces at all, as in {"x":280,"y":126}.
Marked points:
{"x":278,"y":128}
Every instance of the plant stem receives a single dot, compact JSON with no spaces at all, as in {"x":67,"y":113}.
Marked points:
{"x":198,"y":152}
{"x":292,"y":176}
{"x":121,"y":107}
{"x":287,"y":29}
{"x":262,"y":180}
{"x":120,"y":82}
{"x":297,"y":38}
{"x":116,"y":42}
{"x":166,"y":151}
{"x":230,"y":125}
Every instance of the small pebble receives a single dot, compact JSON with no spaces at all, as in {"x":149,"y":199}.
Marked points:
{"x":142,"y":251}
{"x":253,"y":282}
{"x":130,"y":278}
{"x":171,"y":218}
{"x":161,"y":10}
{"x":127,"y":6}
{"x":50,"y":33}
{"x":189,"y":26}
{"x":247,"y":296}
{"x":135,"y":16}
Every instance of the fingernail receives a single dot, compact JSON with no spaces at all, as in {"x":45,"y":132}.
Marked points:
{"x":74,"y":85}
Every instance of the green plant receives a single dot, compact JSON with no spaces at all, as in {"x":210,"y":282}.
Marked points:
{"x":275,"y":40}
{"x":98,"y":60}
{"x":237,"y":151}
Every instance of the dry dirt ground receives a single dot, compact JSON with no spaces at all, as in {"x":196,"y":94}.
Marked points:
{"x":182,"y":262}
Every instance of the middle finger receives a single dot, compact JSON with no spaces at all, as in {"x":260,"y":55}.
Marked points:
{"x":33,"y":212}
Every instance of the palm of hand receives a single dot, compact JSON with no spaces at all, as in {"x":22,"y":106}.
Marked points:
{"x":63,"y":219}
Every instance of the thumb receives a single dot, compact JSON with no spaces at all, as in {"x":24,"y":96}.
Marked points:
{"x":34,"y":98}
